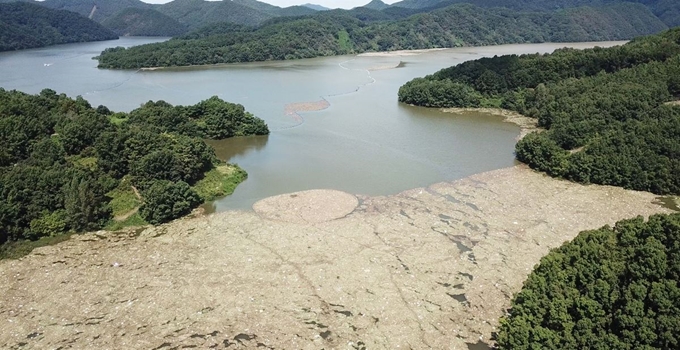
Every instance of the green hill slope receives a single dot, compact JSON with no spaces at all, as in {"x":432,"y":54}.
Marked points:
{"x":198,"y":13}
{"x":336,"y":32}
{"x":316,"y":7}
{"x":143,"y":22}
{"x":25,"y":25}
{"x":419,"y":4}
{"x":275,"y":10}
{"x":667,"y":10}
{"x":100,"y":9}
{"x":376,"y":5}
{"x":296,"y":11}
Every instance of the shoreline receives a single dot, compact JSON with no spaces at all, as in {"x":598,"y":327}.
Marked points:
{"x":526,"y":125}
{"x":429,"y":267}
{"x":396,"y":53}
{"x":401,"y":52}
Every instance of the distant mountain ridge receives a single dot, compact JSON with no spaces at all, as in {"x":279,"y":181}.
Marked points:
{"x":198,"y":13}
{"x":192,"y":14}
{"x":143,"y":22}
{"x":376,"y":5}
{"x":667,"y":10}
{"x":339,"y":32}
{"x":316,"y":7}
{"x":100,"y":9}
{"x":195,"y":14}
{"x":26,"y":25}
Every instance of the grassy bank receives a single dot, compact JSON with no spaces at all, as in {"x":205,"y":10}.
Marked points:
{"x":220,"y":181}
{"x":19,"y":249}
{"x":123,"y":198}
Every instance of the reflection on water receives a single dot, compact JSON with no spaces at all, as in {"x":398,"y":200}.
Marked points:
{"x":237,"y":146}
{"x":668,"y":202}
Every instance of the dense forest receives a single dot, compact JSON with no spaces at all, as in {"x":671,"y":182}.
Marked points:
{"x":24,"y":25}
{"x":667,"y":10}
{"x":66,"y":166}
{"x":612,"y":288}
{"x":143,"y":22}
{"x":196,"y":14}
{"x":191,"y":13}
{"x":97,"y":10}
{"x":609,"y":113}
{"x":134,"y":17}
{"x":333,"y":33}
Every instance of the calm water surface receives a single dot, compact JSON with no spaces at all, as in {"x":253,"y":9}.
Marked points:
{"x":364,"y":143}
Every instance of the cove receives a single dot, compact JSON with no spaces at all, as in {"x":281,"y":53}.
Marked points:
{"x":335,"y":121}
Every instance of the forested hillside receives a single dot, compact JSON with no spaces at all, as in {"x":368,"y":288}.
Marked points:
{"x":612,"y":288}
{"x":667,"y":10}
{"x":376,"y":5}
{"x":275,"y":10}
{"x":143,"y":22}
{"x":337,"y":32}
{"x":25,"y":25}
{"x":606,"y":111}
{"x":315,"y":7}
{"x":132,"y":16}
{"x":65,"y":166}
{"x":198,"y":13}
{"x":195,"y":14}
{"x":99,"y":9}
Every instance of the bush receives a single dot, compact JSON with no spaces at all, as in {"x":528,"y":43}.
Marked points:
{"x":165,"y":201}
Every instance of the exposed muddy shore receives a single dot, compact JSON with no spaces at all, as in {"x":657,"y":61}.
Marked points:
{"x":431,"y":267}
{"x":526,"y":125}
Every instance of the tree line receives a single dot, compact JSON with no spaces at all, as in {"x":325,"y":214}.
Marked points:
{"x":606,"y":111}
{"x":611,"y":288}
{"x":343,"y":32}
{"x":61,"y":158}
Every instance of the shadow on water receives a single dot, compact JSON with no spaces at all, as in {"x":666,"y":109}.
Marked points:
{"x":237,"y":146}
{"x":668,"y":202}
{"x":209,"y":208}
{"x":479,"y":346}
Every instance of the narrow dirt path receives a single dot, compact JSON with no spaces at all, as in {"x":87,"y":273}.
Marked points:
{"x":123,"y":217}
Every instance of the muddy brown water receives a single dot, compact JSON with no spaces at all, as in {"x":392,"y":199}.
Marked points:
{"x":365,"y":142}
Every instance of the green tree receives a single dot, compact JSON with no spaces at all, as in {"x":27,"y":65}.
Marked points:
{"x":85,"y":204}
{"x":165,"y":201}
{"x":49,"y":224}
{"x":163,"y":164}
{"x":607,"y":289}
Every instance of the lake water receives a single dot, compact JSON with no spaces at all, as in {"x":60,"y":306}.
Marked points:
{"x":365,"y":142}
